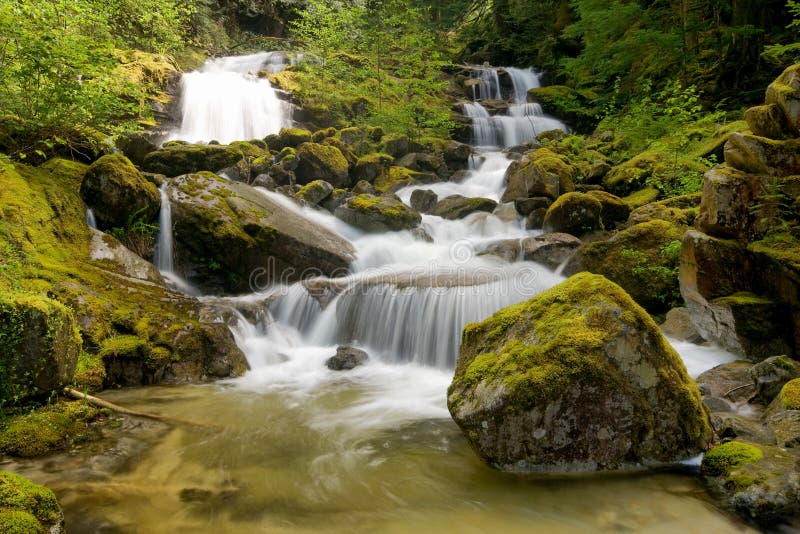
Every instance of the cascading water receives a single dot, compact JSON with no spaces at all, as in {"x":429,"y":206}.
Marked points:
{"x":90,"y":220}
{"x":226,"y":100}
{"x":164,"y":254}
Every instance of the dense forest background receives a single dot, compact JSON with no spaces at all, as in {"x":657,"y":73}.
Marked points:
{"x":75,"y":73}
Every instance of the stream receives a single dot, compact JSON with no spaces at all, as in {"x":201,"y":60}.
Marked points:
{"x":295,"y":447}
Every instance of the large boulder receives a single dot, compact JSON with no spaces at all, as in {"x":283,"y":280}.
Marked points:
{"x":422,"y":162}
{"x":768,"y":121}
{"x":321,"y":162}
{"x":40,"y":346}
{"x":180,"y":158}
{"x":785,"y":93}
{"x":578,"y":378}
{"x":573,"y":213}
{"x":346,"y":358}
{"x":226,"y":233}
{"x":457,"y":207}
{"x":377,"y":214}
{"x":315,"y":192}
{"x":541,"y":173}
{"x":643,"y":259}
{"x":371,"y":166}
{"x":27,"y":508}
{"x":759,"y":155}
{"x":117,"y":192}
{"x":613,"y":210}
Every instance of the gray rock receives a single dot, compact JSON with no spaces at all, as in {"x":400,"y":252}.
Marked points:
{"x":526,"y":205}
{"x":507,"y":249}
{"x":771,"y":375}
{"x":346,"y":358}
{"x":423,"y":200}
{"x":550,"y":250}
{"x":729,"y":381}
{"x":457,"y":206}
{"x":678,"y":325}
{"x":427,"y":163}
{"x":377,"y":214}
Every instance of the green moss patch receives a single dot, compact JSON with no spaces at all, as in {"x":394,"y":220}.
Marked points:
{"x":25,"y":506}
{"x":49,"y":429}
{"x":790,"y":395}
{"x":728,"y":456}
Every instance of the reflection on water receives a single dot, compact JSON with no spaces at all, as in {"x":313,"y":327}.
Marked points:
{"x":282,"y":463}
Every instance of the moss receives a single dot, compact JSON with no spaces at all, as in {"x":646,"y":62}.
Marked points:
{"x":322,"y":162}
{"x":742,"y":299}
{"x":122,"y":346}
{"x":175,"y":160}
{"x":315,"y":192}
{"x":49,"y":429}
{"x":790,"y":395}
{"x":249,"y":148}
{"x":575,"y":107}
{"x":18,"y":494}
{"x":396,"y":178}
{"x":392,"y":213}
{"x":721,"y":460}
{"x":641,"y":197}
{"x":90,"y":372}
{"x":19,"y":522}
{"x":292,"y":137}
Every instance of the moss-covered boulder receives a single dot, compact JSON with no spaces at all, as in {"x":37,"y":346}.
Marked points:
{"x":118,"y":193}
{"x":457,"y":207}
{"x":289,"y":137}
{"x":399,"y":177}
{"x":785,"y":93}
{"x":321,"y":162}
{"x":613,"y":210}
{"x":682,"y":210}
{"x":574,"y":107}
{"x":768,"y":121}
{"x":728,"y":198}
{"x":759,"y":155}
{"x":579,"y":378}
{"x":39,"y":348}
{"x":378,"y":214}
{"x":427,"y":163}
{"x":371,"y":166}
{"x":315,"y":192}
{"x":643,"y":259}
{"x":28,"y":508}
{"x":396,"y":145}
{"x":423,"y":200}
{"x":541,"y":173}
{"x":790,"y":395}
{"x":177,"y":159}
{"x":227,"y":233}
{"x":573,"y":213}
{"x":52,"y":428}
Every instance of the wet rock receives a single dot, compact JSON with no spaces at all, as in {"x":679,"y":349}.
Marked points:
{"x":771,"y":375}
{"x":40,"y":346}
{"x":106,"y":247}
{"x":729,"y":381}
{"x":246,"y":234}
{"x":535,"y":219}
{"x":541,"y":173}
{"x":728,"y":425}
{"x":420,"y":234}
{"x":377,"y":214}
{"x":456,"y":155}
{"x":785,"y":426}
{"x":423,"y":200}
{"x":678,"y":325}
{"x":578,"y":378}
{"x":427,"y":163}
{"x":527,"y":205}
{"x":396,"y":145}
{"x":264,"y":180}
{"x":336,"y":199}
{"x":573,"y":213}
{"x":315,"y":192}
{"x":346,"y":358}
{"x":321,"y":162}
{"x":507,"y":249}
{"x":550,"y":250}
{"x":363,"y":187}
{"x":457,"y":207}
{"x":728,"y":197}
{"x":506,"y":212}
{"x":371,"y":166}
{"x":117,"y":192}
{"x":176,"y":159}
{"x":288,"y":137}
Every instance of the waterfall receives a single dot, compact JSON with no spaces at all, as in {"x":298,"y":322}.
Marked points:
{"x":90,"y":220}
{"x":164,"y":254}
{"x":521,"y":123}
{"x":226,"y":100}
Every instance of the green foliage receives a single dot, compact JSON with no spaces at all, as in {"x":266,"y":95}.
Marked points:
{"x":137,"y":235}
{"x":663,"y":273}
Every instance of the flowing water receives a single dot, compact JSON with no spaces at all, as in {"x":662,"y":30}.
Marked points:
{"x":295,"y":447}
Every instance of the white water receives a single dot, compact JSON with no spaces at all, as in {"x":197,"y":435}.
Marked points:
{"x":226,"y":101}
{"x":90,"y":220}
{"x":523,"y":121}
{"x":164,"y":253}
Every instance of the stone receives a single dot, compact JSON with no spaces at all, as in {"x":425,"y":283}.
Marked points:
{"x":396,"y":145}
{"x":40,"y":347}
{"x":377,"y":214}
{"x":248,"y":235}
{"x":541,"y":173}
{"x":346,"y":358}
{"x":456,"y":155}
{"x":759,"y":155}
{"x":315,"y":192}
{"x":289,"y":137}
{"x":678,"y":326}
{"x":427,"y":163}
{"x":727,"y":201}
{"x":506,"y":212}
{"x":682,"y":211}
{"x":579,"y":378}
{"x":321,"y":162}
{"x":118,"y":193}
{"x":371,"y":166}
{"x":506,"y":249}
{"x":768,"y":121}
{"x":550,"y":250}
{"x":728,"y":425}
{"x":785,"y":93}
{"x":423,"y":200}
{"x":363,"y":187}
{"x":28,"y":508}
{"x":573,"y":213}
{"x":457,"y":207}
{"x":106,"y":247}
{"x":613,"y":210}
{"x":643,"y":259}
{"x":573,"y":107}
{"x":177,"y":159}
{"x":770,"y":375}
{"x":535,"y":219}
{"x":729,"y":381}
{"x":526,"y":205}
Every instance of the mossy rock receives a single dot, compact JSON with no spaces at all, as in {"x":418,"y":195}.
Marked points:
{"x":759,"y":155}
{"x":682,"y":210}
{"x":27,"y":508}
{"x":371,"y":166}
{"x":630,"y":176}
{"x":396,"y":145}
{"x":378,"y":214}
{"x":572,"y":106}
{"x":457,"y":207}
{"x":573,"y":213}
{"x":118,"y":193}
{"x":397,"y":178}
{"x":613,"y":210}
{"x":723,"y":458}
{"x":289,"y":137}
{"x":39,"y":346}
{"x":643,"y":259}
{"x":768,"y":121}
{"x":790,"y":395}
{"x":785,"y":93}
{"x":53,"y":428}
{"x":321,"y":162}
{"x":541,"y":173}
{"x":175,"y":160}
{"x":315,"y":192}
{"x":642,"y":197}
{"x":579,"y":378}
